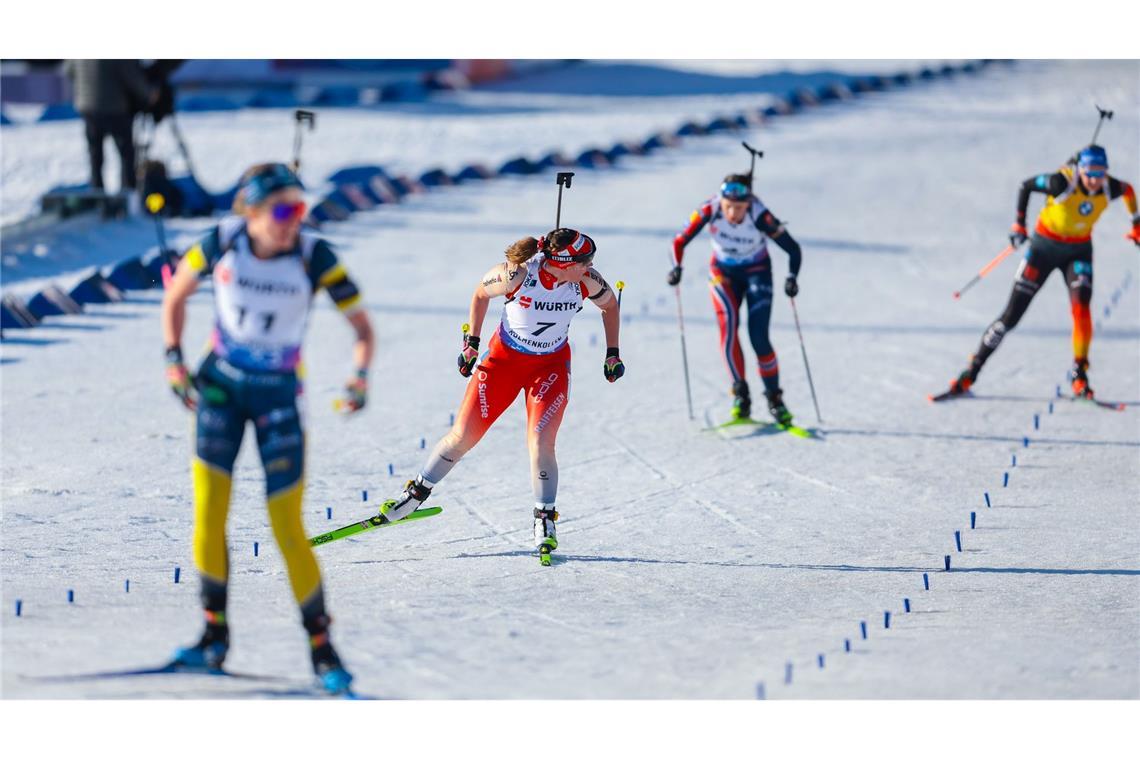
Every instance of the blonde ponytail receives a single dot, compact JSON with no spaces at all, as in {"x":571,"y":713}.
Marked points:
{"x":522,"y":251}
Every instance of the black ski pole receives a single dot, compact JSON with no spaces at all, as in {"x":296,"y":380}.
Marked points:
{"x":301,"y":116}
{"x":684,"y":353}
{"x":1104,"y":114}
{"x":155,"y":203}
{"x":755,"y":154}
{"x":806,"y":365}
{"x":563,"y":178}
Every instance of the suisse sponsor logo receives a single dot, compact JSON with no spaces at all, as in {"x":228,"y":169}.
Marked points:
{"x":225,"y":274}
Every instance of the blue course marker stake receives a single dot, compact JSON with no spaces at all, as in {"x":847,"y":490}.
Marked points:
{"x":364,"y":495}
{"x":1013,"y":460}
{"x":70,"y":596}
{"x":177,"y":574}
{"x":788,"y":673}
{"x":1050,"y":407}
{"x":255,"y":548}
{"x":1036,"y":421}
{"x":127,"y":586}
{"x":451,"y":421}
{"x":987,"y":495}
{"x":926,"y":581}
{"x":1058,"y":391}
{"x":1025,"y":441}
{"x":906,"y":605}
{"x":958,"y":539}
{"x":760,"y":690}
{"x":19,"y":607}
{"x":886,"y":618}
{"x":820,"y":658}
{"x":863,"y":628}
{"x":328,"y":513}
{"x":847,"y":645}
{"x":973,"y":519}
{"x":947,"y":561}
{"x":391,"y":470}
{"x":1005,"y":480}
{"x":423,"y":443}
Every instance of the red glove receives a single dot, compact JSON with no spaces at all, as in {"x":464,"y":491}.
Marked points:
{"x":1134,"y":236}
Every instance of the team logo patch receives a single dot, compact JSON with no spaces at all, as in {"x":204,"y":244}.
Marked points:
{"x":525,"y":301}
{"x":1085,"y":208}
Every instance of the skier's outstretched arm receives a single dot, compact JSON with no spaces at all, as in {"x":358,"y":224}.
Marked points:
{"x":602,"y":296}
{"x":501,"y":280}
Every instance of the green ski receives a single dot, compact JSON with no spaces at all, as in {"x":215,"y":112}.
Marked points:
{"x":376,"y":521}
{"x":795,"y":430}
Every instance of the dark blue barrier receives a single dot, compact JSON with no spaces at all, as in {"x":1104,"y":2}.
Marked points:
{"x":554,"y":158}
{"x":329,"y":211}
{"x":59,"y":112}
{"x":4,"y":118}
{"x":338,"y":197}
{"x":690,"y":129}
{"x":926,"y":74}
{"x":829,"y":93}
{"x":273,"y":99}
{"x":903,"y":78}
{"x":200,"y":103}
{"x":357,"y":175}
{"x":519,"y":166}
{"x":404,"y":185}
{"x":224,"y":200}
{"x":360,"y":200}
{"x":403,"y":92}
{"x":337,"y":95}
{"x":473,"y":172}
{"x":435,"y":178}
{"x":16,"y":314}
{"x":153,"y":267}
{"x":52,"y":302}
{"x":95,"y":289}
{"x":592,"y":159}
{"x":130,"y":274}
{"x":617,"y":151}
{"x":720,"y":124}
{"x":196,"y":201}
{"x":947,"y":71}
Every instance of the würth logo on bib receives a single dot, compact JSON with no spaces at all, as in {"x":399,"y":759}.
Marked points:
{"x":525,"y":301}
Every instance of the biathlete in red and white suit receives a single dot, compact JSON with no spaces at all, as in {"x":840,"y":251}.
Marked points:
{"x":545,"y":283}
{"x":740,"y":225}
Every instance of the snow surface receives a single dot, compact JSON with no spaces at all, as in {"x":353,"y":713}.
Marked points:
{"x":691,"y":564}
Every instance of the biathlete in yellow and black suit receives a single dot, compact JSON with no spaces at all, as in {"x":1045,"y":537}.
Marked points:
{"x":265,"y":271}
{"x":1076,"y":196}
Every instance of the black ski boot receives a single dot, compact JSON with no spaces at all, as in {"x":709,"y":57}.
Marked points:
{"x":326,"y":663}
{"x":776,"y":406}
{"x":1080,"y":379}
{"x":741,"y":402}
{"x":415,"y":493}
{"x":210,"y":651}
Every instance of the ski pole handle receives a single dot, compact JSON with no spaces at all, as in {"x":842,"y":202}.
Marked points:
{"x":986,"y":270}
{"x":620,"y":287}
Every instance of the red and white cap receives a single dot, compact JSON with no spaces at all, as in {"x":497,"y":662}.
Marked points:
{"x":580,"y":249}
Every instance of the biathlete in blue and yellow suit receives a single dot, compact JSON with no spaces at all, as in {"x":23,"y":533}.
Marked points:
{"x":740,"y":225}
{"x":1075,"y":197}
{"x":265,"y":271}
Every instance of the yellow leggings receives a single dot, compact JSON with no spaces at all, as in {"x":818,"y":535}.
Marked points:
{"x":212,"y":487}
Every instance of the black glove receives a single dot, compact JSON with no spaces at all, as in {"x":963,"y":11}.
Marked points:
{"x":613,"y":367}
{"x":469,"y":355}
{"x":674,"y":277}
{"x":179,"y":378}
{"x":791,"y":289}
{"x":1017,"y":234}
